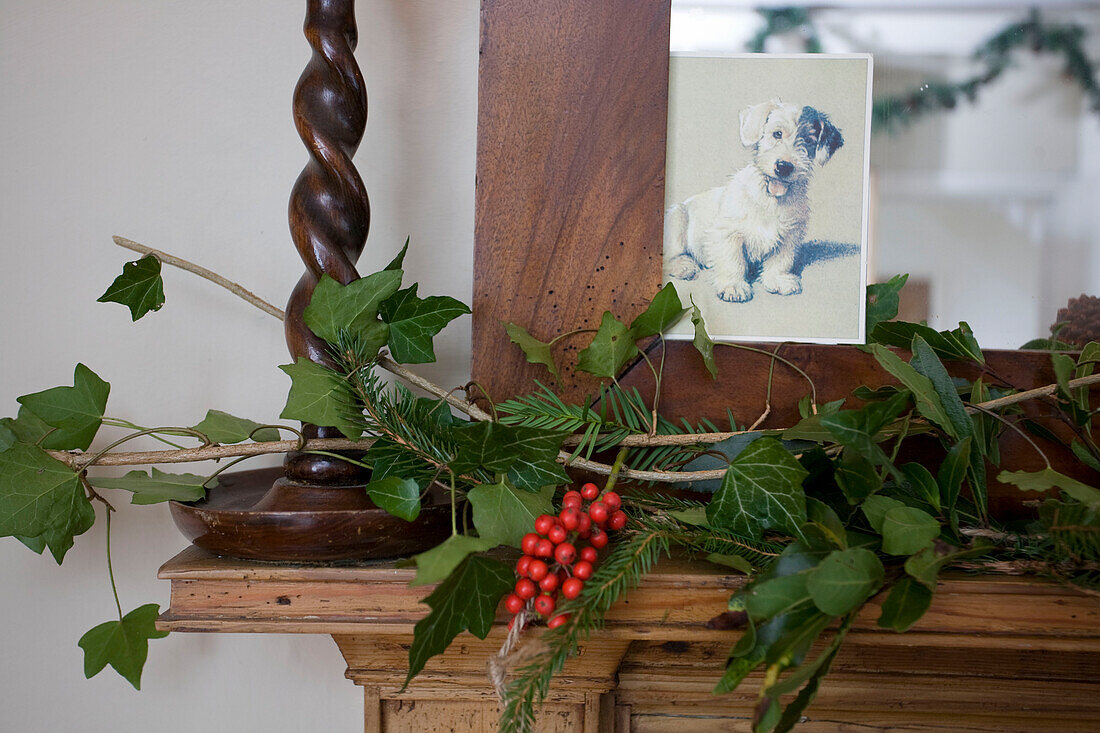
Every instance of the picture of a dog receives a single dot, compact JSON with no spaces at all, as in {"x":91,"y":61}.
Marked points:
{"x":759,"y":216}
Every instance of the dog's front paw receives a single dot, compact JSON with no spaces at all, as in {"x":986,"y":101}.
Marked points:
{"x":683,"y":268}
{"x":782,"y":283}
{"x":736,"y":293}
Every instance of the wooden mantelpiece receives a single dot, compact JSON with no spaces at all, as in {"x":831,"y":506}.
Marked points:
{"x":993,"y":653}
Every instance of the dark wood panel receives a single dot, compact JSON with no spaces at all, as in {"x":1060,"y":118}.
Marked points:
{"x":572,"y":109}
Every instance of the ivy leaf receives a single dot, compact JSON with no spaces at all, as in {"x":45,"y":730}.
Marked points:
{"x":414,"y":322}
{"x":907,"y":602}
{"x":907,"y":530}
{"x":75,"y":411}
{"x":762,"y":489}
{"x":702,"y":341}
{"x":122,"y":644}
{"x":437,"y":563}
{"x":927,"y":363}
{"x":844,"y":580}
{"x":482,"y":444}
{"x":398,"y":496}
{"x":466,"y":600}
{"x":883,"y":301}
{"x":78,"y":518}
{"x":157,"y":487}
{"x":27,"y":427}
{"x":663,"y":311}
{"x":386,"y":458}
{"x":504,"y":514}
{"x":928,"y":401}
{"x":8,"y":438}
{"x":611,"y":348}
{"x":139,"y":287}
{"x":537,"y":352}
{"x":528,"y":455}
{"x":320,"y":396}
{"x":38,"y":494}
{"x":221,"y":427}
{"x":351,"y":308}
{"x":398,"y":262}
{"x":1048,"y":478}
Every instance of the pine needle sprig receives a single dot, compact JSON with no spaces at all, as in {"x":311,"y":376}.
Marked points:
{"x":705,"y":539}
{"x":634,"y":556}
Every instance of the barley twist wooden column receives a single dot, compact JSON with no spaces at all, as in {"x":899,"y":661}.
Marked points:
{"x":329,"y":211}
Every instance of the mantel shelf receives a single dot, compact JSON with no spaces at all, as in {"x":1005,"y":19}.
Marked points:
{"x":993,"y":653}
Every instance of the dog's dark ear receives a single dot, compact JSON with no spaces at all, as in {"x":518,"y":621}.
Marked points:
{"x":821,"y":136}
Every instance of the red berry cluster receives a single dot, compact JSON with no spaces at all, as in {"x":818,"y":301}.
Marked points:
{"x":552,"y":563}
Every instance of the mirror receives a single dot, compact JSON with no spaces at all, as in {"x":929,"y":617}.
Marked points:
{"x":985,"y":148}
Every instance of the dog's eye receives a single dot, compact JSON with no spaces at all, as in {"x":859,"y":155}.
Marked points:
{"x":777,"y":134}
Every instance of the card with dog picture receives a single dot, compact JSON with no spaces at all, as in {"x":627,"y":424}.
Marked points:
{"x":766,"y":194}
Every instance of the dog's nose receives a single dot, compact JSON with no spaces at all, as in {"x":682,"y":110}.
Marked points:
{"x":784,"y":169}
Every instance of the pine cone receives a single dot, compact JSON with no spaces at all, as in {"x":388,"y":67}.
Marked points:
{"x":1079,"y":322}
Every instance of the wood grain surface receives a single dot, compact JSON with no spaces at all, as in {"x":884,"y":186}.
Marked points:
{"x":572,"y":105}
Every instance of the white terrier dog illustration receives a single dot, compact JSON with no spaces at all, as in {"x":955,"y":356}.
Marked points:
{"x":760,"y":214}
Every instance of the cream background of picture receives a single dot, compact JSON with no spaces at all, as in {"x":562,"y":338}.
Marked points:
{"x":170,"y":123}
{"x":706,"y":95}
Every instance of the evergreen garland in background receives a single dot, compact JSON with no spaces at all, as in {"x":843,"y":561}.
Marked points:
{"x":895,"y":112}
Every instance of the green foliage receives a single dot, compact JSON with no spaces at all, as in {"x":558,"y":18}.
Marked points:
{"x":157,"y":486}
{"x":537,"y":352}
{"x":123,"y":644}
{"x":762,"y":490}
{"x":844,"y":580}
{"x":398,"y":496}
{"x":337,"y":309}
{"x":436,"y":564}
{"x":906,"y":530}
{"x":320,"y":396}
{"x":221,"y":427}
{"x":927,"y":399}
{"x":505,"y":514}
{"x":958,"y":343}
{"x":882,"y":301}
{"x":612,"y":347}
{"x":663,"y":311}
{"x":859,"y":430}
{"x":139,"y":287}
{"x":906,"y":604}
{"x":39,"y":494}
{"x":1048,"y":478}
{"x":702,"y":341}
{"x":74,"y":412}
{"x":466,"y":600}
{"x":415,"y":321}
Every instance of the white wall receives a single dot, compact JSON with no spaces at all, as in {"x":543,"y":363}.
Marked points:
{"x":169,"y":123}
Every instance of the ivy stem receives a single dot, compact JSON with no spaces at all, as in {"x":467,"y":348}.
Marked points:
{"x":567,"y":334}
{"x":776,"y":357}
{"x":115,"y":422}
{"x":347,"y":459}
{"x":1017,"y":428}
{"x":148,"y":431}
{"x":454,"y":513}
{"x":616,"y":467}
{"x":110,"y":565}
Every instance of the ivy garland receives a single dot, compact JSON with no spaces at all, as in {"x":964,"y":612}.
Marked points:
{"x":821,"y":515}
{"x":994,"y":56}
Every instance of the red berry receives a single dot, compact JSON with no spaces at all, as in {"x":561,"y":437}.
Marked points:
{"x":570,"y":518}
{"x":565,"y":553}
{"x":523,"y":565}
{"x":537,"y":570}
{"x":543,"y":524}
{"x":557,"y":621}
{"x":572,"y":500}
{"x":612,"y":500}
{"x":588,"y":554}
{"x":514,"y":603}
{"x":572,"y":588}
{"x":598,"y":538}
{"x":549,"y":584}
{"x":590,"y":491}
{"x":598,"y":512}
{"x":582,"y":570}
{"x":545,"y":548}
{"x":584,"y":523}
{"x":617,"y":520}
{"x":544,"y":604}
{"x":528,"y":544}
{"x":557,"y":534}
{"x":525,"y":589}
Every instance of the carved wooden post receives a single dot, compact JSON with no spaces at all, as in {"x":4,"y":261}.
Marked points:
{"x":329,"y":212}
